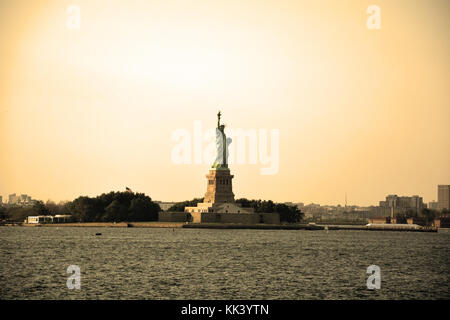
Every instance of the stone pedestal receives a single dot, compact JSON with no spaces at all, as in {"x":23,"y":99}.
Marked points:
{"x":219,"y":186}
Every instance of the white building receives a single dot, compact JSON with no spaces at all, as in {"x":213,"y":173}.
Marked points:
{"x":59,"y":218}
{"x":39,"y":219}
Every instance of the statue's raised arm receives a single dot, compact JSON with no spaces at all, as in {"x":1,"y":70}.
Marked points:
{"x":218,"y":119}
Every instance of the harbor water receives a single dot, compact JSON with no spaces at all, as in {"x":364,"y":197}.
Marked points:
{"x":166,"y":263}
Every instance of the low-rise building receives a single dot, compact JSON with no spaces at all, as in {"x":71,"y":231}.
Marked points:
{"x":39,"y":219}
{"x":165,"y":205}
{"x":59,"y":218}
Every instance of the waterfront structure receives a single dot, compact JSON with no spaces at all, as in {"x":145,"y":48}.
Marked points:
{"x":219,"y":204}
{"x":39,"y":219}
{"x":443,"y":197}
{"x":59,"y":218}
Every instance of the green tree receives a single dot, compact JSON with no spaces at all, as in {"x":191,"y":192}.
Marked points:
{"x":40,"y":209}
{"x":19,"y":214}
{"x":143,"y":209}
{"x":288,"y":213}
{"x":116,"y":212}
{"x":429,"y":216}
{"x":3,"y":214}
{"x":410,"y":213}
{"x":54,"y":209}
{"x":83,"y":209}
{"x":179,"y":206}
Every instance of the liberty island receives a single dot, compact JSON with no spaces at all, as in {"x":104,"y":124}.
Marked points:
{"x":219,"y":205}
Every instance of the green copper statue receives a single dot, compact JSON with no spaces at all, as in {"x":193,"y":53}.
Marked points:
{"x":222,"y":143}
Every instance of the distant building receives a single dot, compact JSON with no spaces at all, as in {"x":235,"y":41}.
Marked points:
{"x":433,"y":205}
{"x":22,"y":200}
{"x":1,"y":200}
{"x":443,"y":197}
{"x":13,"y":199}
{"x":414,"y":202}
{"x":165,"y":205}
{"x":395,"y":204}
{"x":314,"y":209}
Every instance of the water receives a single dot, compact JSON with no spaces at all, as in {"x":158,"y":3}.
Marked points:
{"x":141,"y":263}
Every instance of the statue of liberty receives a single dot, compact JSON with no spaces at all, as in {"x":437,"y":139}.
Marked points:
{"x":222,"y":143}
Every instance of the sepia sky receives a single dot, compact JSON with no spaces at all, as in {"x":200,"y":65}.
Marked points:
{"x":360,"y":112}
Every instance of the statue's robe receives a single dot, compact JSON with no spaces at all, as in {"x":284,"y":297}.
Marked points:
{"x":221,"y":150}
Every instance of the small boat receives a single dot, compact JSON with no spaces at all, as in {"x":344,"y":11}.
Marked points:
{"x":98,"y":234}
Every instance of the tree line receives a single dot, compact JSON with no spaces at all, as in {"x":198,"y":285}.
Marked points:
{"x":107,"y":207}
{"x":428,"y":215}
{"x":288,"y":213}
{"x":19,"y":213}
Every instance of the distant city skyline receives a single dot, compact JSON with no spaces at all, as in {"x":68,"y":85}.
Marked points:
{"x":442,"y":190}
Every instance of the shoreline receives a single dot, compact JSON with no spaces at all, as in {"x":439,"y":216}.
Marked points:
{"x":157,"y":224}
{"x":109,"y":224}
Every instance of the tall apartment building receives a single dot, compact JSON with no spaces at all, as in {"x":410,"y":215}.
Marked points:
{"x":13,"y":199}
{"x":443,"y":197}
{"x":392,"y":200}
{"x":394,"y":204}
{"x":22,"y":200}
{"x":433,"y":205}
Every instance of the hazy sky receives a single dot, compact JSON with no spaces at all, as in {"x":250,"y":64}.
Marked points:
{"x":359,"y":111}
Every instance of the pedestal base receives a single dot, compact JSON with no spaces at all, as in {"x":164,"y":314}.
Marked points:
{"x":219,"y":187}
